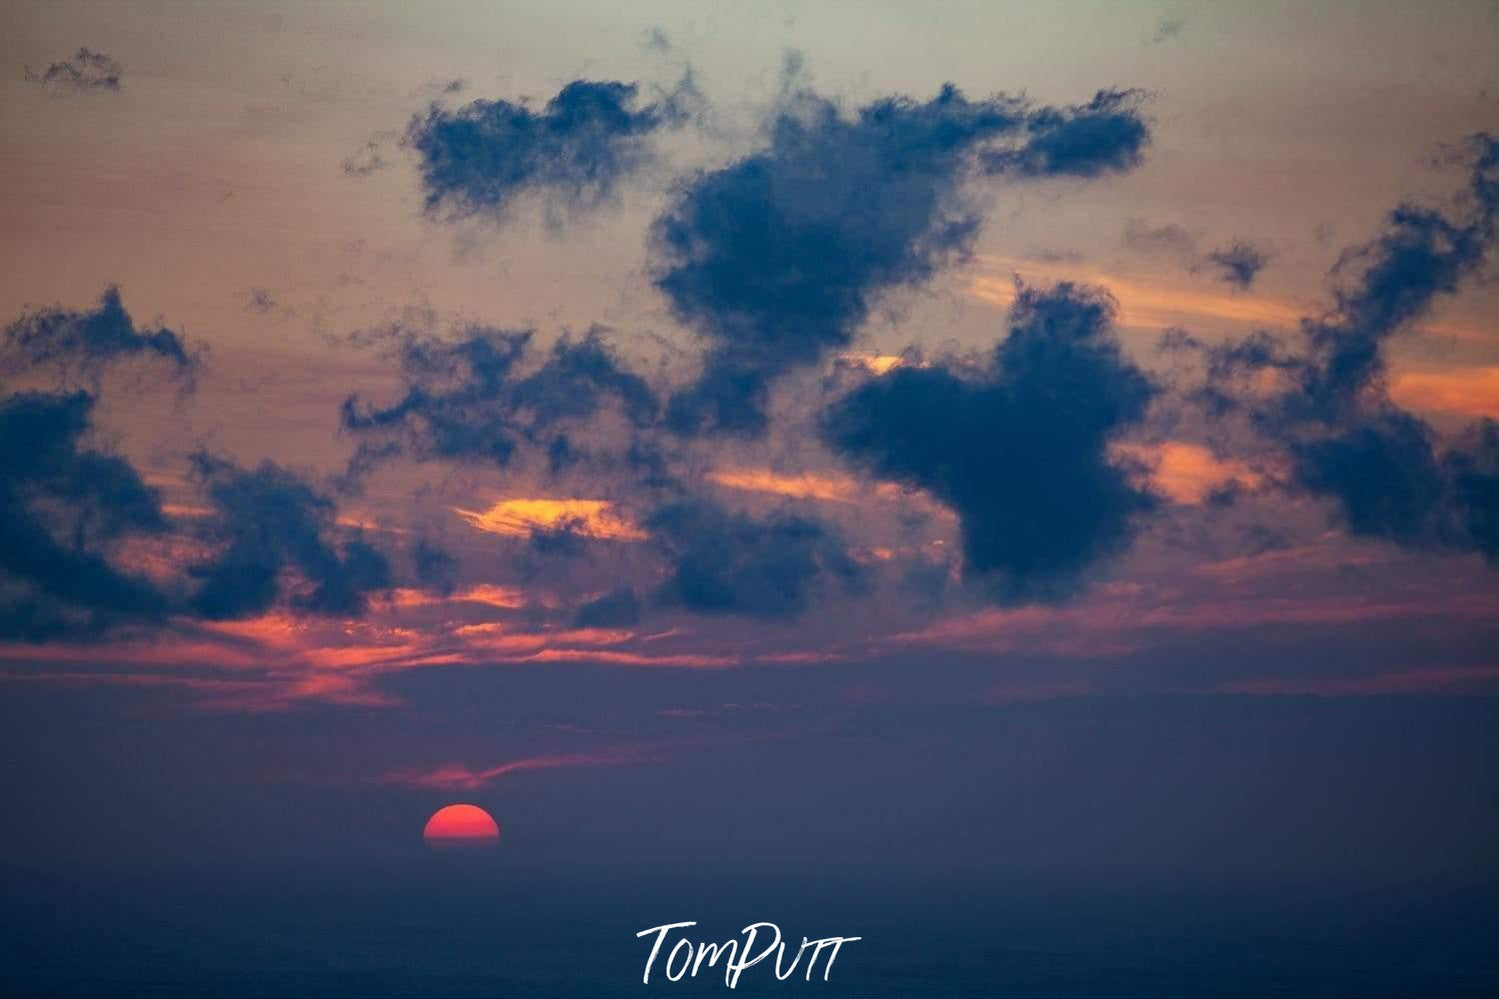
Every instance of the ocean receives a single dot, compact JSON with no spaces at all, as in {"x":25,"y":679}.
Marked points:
{"x":449,"y":927}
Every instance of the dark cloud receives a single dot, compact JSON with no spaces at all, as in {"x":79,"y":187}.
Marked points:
{"x":1105,"y":135}
{"x":86,"y":72}
{"x":1384,"y":467}
{"x":478,"y":158}
{"x":1472,"y":471}
{"x":269,"y":524}
{"x":473,"y":399}
{"x":1384,"y":285}
{"x":777,"y":258}
{"x":70,"y":343}
{"x":1393,"y":480}
{"x":1018,"y":449}
{"x":724,"y":562}
{"x":616,"y":609}
{"x":61,"y":507}
{"x":1420,"y":255}
{"x":436,"y":568}
{"x":1239,"y":263}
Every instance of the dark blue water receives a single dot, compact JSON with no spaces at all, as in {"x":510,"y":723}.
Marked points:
{"x":446,"y":927}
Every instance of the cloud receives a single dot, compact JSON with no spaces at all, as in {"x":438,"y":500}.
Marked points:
{"x":436,"y":568}
{"x":477,"y":159}
{"x":86,"y":72}
{"x":1020,"y":449}
{"x":469,"y":399}
{"x":833,"y":489}
{"x":458,"y":777}
{"x":71,"y":344}
{"x":1168,"y":28}
{"x":260,"y":301}
{"x":268,"y":525}
{"x":369,"y":159}
{"x":1239,"y":263}
{"x":1385,"y":468}
{"x":777,"y":258}
{"x":724,"y":562}
{"x":1380,"y":463}
{"x":61,"y":507}
{"x":1472,"y":471}
{"x":616,"y":609}
{"x":1384,"y":285}
{"x":1472,"y":391}
{"x":525,"y":518}
{"x":1167,"y":239}
{"x":1103,"y":136}
{"x":1189,"y":474}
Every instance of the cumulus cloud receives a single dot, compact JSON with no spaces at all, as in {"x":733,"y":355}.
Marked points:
{"x":723,"y":562}
{"x":71,"y":344}
{"x":87,"y":71}
{"x":1385,"y":468}
{"x":66,"y":508}
{"x":268,"y":524}
{"x":61,"y":507}
{"x":475,"y":398}
{"x":478,"y":158}
{"x":1019,"y":449}
{"x":777,"y":258}
{"x":1105,"y":135}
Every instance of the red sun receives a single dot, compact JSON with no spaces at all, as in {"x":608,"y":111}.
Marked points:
{"x":461,"y":825}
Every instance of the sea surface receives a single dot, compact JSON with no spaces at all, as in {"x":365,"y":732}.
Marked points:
{"x":455,"y":927}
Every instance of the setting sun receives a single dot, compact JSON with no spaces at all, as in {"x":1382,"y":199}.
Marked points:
{"x":461,"y":825}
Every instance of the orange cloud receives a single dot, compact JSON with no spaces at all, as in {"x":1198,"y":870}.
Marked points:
{"x":185,"y":510}
{"x":1188,"y":473}
{"x":523,"y":517}
{"x":504,"y":597}
{"x":877,"y":364}
{"x":836,"y":489}
{"x":1471,"y":392}
{"x":479,"y":636}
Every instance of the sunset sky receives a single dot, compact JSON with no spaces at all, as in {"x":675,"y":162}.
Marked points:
{"x":922,"y":415}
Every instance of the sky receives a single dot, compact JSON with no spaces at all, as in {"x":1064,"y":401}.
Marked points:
{"x":798,"y":432}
